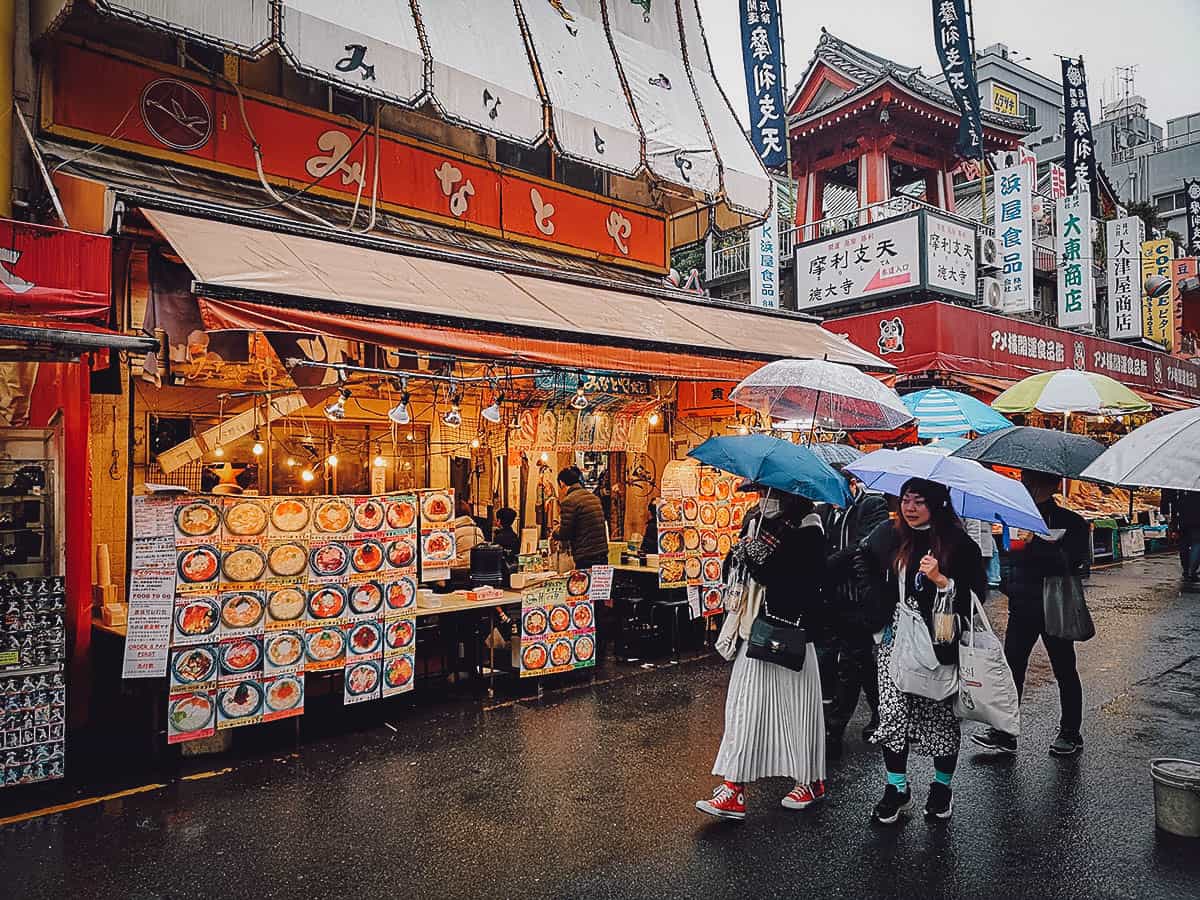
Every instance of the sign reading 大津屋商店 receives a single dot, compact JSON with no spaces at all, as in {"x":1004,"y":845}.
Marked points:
{"x":917,"y":251}
{"x":1124,"y":239}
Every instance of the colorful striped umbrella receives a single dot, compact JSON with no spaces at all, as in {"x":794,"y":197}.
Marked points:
{"x":1070,"y":391}
{"x":941,"y":413}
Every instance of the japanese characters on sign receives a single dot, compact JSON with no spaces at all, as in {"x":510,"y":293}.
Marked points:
{"x":1080,"y":158}
{"x":1181,"y":270}
{"x":1191,"y":190}
{"x":1075,"y":283}
{"x":1158,"y":320}
{"x":1058,"y":181}
{"x":951,"y":37}
{"x":949,"y":257}
{"x":762,"y":57}
{"x":1014,"y":233}
{"x":874,"y":261}
{"x":1125,"y":237}
{"x":764,"y":264}
{"x":1005,"y":100}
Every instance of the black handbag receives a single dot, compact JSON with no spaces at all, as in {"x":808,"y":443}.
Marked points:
{"x":1065,"y":608}
{"x":777,"y":641}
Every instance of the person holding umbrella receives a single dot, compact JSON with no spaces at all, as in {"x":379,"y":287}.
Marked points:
{"x":927,"y":561}
{"x":1066,"y":551}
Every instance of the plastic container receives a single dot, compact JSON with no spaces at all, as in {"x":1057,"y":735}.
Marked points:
{"x":1177,"y":796}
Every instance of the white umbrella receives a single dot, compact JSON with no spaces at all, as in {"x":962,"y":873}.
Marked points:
{"x":1070,"y":391}
{"x":1164,"y":453}
{"x":830,"y":395}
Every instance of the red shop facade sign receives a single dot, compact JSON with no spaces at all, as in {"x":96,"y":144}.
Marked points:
{"x":940,"y":336}
{"x":53,"y":272}
{"x":165,"y":114}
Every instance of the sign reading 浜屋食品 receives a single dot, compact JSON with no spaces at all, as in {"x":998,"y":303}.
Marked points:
{"x":1158,"y":319}
{"x":762,"y":57}
{"x":1014,"y":233}
{"x":952,"y":40}
{"x":1075,"y":282}
{"x":1191,"y":191}
{"x":764,"y":264}
{"x":1124,"y":240}
{"x":1080,"y":158}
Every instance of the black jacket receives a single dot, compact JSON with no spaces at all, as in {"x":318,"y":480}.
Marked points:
{"x":794,"y":576}
{"x":878,"y":581}
{"x":849,"y":530}
{"x":1028,"y":567}
{"x":1183,"y":507}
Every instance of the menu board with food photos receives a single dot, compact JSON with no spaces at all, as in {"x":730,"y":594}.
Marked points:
{"x":558,"y":625}
{"x":437,"y":534}
{"x":268,"y":589}
{"x":696,"y":531}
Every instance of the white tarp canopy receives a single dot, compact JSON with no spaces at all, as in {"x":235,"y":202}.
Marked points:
{"x":628,"y":86}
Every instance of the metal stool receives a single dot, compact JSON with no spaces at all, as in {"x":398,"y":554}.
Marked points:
{"x":673,"y":608}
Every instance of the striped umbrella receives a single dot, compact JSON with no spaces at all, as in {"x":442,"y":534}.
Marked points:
{"x":1070,"y":391}
{"x":941,"y":413}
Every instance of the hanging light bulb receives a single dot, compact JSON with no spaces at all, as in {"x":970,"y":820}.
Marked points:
{"x":453,"y":418}
{"x":475,"y":443}
{"x":654,"y":418}
{"x":492,"y":413}
{"x":400,"y":413}
{"x":545,"y":457}
{"x":337,"y":409}
{"x":579,"y":401}
{"x":307,"y":475}
{"x":218,"y":451}
{"x":332,"y":459}
{"x":258,"y":449}
{"x":380,"y":462}
{"x":290,"y":462}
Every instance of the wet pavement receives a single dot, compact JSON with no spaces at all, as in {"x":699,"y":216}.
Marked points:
{"x":588,"y":793}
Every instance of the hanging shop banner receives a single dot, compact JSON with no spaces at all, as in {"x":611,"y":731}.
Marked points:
{"x":558,"y":622}
{"x":764,"y":264}
{"x":53,"y":271}
{"x":951,"y":37}
{"x":1058,"y":181}
{"x":1157,"y":316}
{"x":762,"y":59}
{"x":267,"y":590}
{"x":945,"y":337}
{"x":1191,"y":190}
{"x":1080,"y":158}
{"x":141,"y":106}
{"x":1124,"y":241}
{"x":553,"y":427}
{"x":597,"y":385}
{"x":1185,"y":332}
{"x":1076,"y":287}
{"x":1014,"y":232}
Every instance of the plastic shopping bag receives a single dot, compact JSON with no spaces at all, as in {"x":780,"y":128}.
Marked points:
{"x":914,"y":666}
{"x":986,"y":691}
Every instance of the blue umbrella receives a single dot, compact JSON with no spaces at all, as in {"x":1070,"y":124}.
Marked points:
{"x":976,"y":492}
{"x":773,"y":463}
{"x":942,"y":413}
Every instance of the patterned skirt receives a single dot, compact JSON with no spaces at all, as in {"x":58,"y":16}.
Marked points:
{"x":774,"y":722}
{"x":904,"y":719}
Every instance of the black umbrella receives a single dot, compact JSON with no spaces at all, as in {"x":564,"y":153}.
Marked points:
{"x":1037,"y":449}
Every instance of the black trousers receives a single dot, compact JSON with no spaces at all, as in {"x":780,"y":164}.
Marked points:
{"x":847,"y":666}
{"x":1026,"y":623}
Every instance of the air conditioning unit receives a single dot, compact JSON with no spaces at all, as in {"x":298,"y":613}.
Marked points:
{"x":991,"y":294}
{"x":989,"y":252}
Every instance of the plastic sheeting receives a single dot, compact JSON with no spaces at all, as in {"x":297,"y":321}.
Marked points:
{"x":240,"y":25}
{"x":678,"y":148}
{"x":368,"y":45}
{"x":588,"y":107}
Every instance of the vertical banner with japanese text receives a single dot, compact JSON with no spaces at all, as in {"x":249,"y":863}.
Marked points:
{"x":762,"y":57}
{"x":1014,"y":233}
{"x":1158,"y":321}
{"x":764,"y":263}
{"x":951,"y":37}
{"x":1124,"y":239}
{"x":1076,"y":292}
{"x":1080,"y":159}
{"x":1191,"y":191}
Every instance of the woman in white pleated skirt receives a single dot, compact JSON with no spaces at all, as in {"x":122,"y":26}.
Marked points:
{"x":774,"y":722}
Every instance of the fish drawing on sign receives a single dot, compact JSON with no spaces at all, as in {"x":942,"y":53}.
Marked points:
{"x":599,"y":141}
{"x":491,"y":103}
{"x":194,"y":124}
{"x":355,"y":61}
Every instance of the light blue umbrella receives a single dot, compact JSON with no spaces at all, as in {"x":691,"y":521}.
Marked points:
{"x":941,"y":413}
{"x":773,"y":463}
{"x":976,"y":492}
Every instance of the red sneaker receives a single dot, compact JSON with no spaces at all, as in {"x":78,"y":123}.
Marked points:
{"x":803,"y":796}
{"x":728,"y":802}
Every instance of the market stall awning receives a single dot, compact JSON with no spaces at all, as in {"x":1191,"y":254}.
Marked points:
{"x":625,"y":87}
{"x":281,"y":281}
{"x":31,"y":337}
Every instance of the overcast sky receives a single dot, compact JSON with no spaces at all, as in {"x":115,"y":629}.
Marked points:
{"x":1161,"y":37}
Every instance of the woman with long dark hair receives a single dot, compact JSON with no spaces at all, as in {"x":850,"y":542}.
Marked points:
{"x":926,"y":560}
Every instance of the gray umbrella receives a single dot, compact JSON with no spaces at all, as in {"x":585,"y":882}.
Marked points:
{"x":1164,"y":453}
{"x":1037,"y":449}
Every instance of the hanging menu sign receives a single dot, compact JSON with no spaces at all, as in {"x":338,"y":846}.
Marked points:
{"x":151,"y":587}
{"x":558,"y":623}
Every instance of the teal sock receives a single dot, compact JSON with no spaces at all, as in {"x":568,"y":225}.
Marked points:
{"x":943,"y":777}
{"x":899,"y":780}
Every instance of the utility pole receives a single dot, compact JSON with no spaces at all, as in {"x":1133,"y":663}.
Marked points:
{"x":983,"y":208}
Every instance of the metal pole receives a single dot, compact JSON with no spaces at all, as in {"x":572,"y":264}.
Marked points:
{"x":983,"y":211}
{"x":787,"y":145}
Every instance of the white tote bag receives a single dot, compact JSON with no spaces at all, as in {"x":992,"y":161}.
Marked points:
{"x":986,"y":692}
{"x":914,"y":667}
